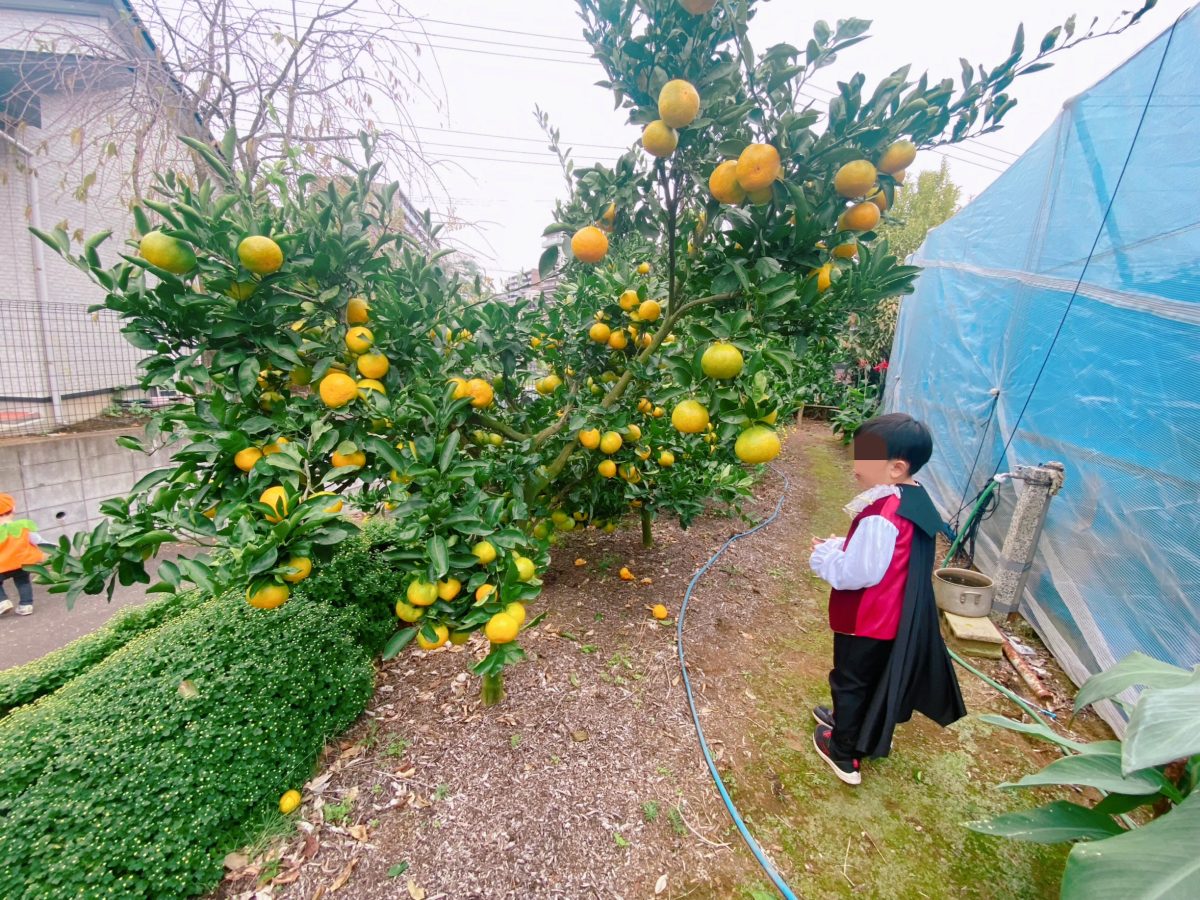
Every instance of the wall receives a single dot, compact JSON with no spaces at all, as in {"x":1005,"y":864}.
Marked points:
{"x":60,"y":482}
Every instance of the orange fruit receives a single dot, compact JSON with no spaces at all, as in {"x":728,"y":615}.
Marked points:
{"x":610,"y":442}
{"x":448,"y":589}
{"x":502,"y":628}
{"x":757,"y":444}
{"x":643,"y":268}
{"x":723,"y":183}
{"x":357,"y":311}
{"x":689,"y":417}
{"x":275,"y":497}
{"x":633,"y":432}
{"x":356,"y":459}
{"x":758,"y":167}
{"x":607,"y":468}
{"x":722,"y":361}
{"x":659,"y":139}
{"x":335,"y":506}
{"x":260,"y":255}
{"x":860,"y":217}
{"x":269,"y":596}
{"x":678,"y":103}
{"x":167,"y":252}
{"x":484,"y":552}
{"x":618,"y":341}
{"x":589,"y":244}
{"x":649,"y":311}
{"x":599,"y":333}
{"x":443,"y":635}
{"x":659,"y":612}
{"x":421,"y":592}
{"x":879,"y":198}
{"x":824,"y":276}
{"x":590,"y":438}
{"x":480,"y":392}
{"x":303,"y":567}
{"x":525,"y":568}
{"x":516,"y":611}
{"x":629,"y":300}
{"x":666,"y":459}
{"x":846,"y":251}
{"x":373,"y":365}
{"x":855,"y":179}
{"x":359,"y":339}
{"x":625,"y":574}
{"x":610,"y":214}
{"x":406,"y":612}
{"x":897,"y":157}
{"x":337,"y":389}
{"x":289,"y":802}
{"x":246,"y":458}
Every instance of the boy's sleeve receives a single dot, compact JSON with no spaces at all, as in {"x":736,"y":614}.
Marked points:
{"x":863,"y":561}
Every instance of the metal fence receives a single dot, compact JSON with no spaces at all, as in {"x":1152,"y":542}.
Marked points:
{"x":65,"y":369}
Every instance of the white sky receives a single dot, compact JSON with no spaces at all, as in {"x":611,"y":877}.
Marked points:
{"x":508,"y":190}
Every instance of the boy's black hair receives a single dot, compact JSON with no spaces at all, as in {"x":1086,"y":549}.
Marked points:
{"x":894,"y":436}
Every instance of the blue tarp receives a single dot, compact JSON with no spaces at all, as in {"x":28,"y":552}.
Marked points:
{"x":1118,"y":403}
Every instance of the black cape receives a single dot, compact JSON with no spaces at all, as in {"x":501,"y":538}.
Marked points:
{"x":919,"y":674}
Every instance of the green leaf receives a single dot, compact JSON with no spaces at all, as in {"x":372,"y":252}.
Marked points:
{"x":247,"y":376}
{"x":1165,"y":726}
{"x":1158,"y":860}
{"x":1035,"y":729}
{"x":1136,"y":668}
{"x":548,"y":260}
{"x":448,"y":449}
{"x":439,"y":556}
{"x":1050,"y":824}
{"x":1100,"y":770}
{"x":398,"y":642}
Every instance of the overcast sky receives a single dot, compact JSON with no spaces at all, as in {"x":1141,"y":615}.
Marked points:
{"x":507,"y":191}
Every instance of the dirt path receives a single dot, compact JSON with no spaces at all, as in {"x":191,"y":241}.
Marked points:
{"x":587,"y":780}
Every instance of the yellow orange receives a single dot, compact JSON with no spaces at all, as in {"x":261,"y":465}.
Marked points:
{"x":649,"y":311}
{"x":659,"y":139}
{"x":275,"y":497}
{"x":337,"y":389}
{"x":421,"y":592}
{"x":246,"y":458}
{"x":855,"y":179}
{"x":260,"y":255}
{"x":757,"y":444}
{"x":618,"y":341}
{"x":722,"y":361}
{"x":607,"y":468}
{"x":678,"y":103}
{"x":590,"y":438}
{"x":757,"y":167}
{"x":897,"y":157}
{"x":167,"y":252}
{"x":357,"y":311}
{"x":599,"y":333}
{"x":355,"y":458}
{"x":443,"y":635}
{"x":723,"y":183}
{"x":448,"y":589}
{"x":610,"y":443}
{"x":589,"y":244}
{"x":502,"y":628}
{"x":689,"y":417}
{"x":359,"y":339}
{"x":373,"y":365}
{"x":860,"y":217}
{"x":480,"y":392}
{"x":269,"y":596}
{"x":303,"y":567}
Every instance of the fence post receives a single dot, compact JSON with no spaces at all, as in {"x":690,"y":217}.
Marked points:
{"x":1020,"y":543}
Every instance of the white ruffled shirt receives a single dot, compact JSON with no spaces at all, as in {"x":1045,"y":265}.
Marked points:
{"x":864,"y":561}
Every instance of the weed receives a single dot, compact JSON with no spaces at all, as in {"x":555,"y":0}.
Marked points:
{"x":269,"y":870}
{"x":664,"y":772}
{"x":619,"y":839}
{"x":514,"y":741}
{"x":599,"y":617}
{"x":441,"y":792}
{"x":371,"y":738}
{"x":588,"y":648}
{"x":650,"y":810}
{"x":620,"y":658}
{"x":376,"y":790}
{"x":396,"y":747}
{"x":573,"y":679}
{"x":555,"y":759}
{"x":338,"y":812}
{"x":675,"y":817}
{"x":398,"y":869}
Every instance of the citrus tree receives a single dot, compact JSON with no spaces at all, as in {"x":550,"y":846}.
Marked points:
{"x":329,"y":365}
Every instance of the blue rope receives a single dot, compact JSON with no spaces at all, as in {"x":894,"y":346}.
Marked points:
{"x":687,"y":685}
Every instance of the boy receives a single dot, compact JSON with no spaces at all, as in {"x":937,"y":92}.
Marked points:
{"x":888,"y":654}
{"x":18,"y":547}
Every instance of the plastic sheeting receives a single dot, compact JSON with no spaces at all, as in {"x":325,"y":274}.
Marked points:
{"x":1118,"y":566}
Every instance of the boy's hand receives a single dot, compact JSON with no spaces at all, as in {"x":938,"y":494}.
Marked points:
{"x":816,"y":541}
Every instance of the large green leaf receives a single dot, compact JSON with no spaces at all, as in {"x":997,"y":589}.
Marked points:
{"x":1036,"y":729}
{"x":1099,"y":770}
{"x":1050,"y":824}
{"x":1136,"y":668}
{"x":1165,"y":726}
{"x":1158,"y":861}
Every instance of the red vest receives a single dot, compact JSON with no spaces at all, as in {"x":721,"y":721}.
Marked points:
{"x":874,"y":612}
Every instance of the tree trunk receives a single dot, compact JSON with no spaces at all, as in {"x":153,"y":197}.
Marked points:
{"x":647,"y":528}
{"x":491,"y":691}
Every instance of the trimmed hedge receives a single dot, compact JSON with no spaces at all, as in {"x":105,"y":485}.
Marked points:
{"x":119,"y":785}
{"x":361,"y":577}
{"x":24,"y":684}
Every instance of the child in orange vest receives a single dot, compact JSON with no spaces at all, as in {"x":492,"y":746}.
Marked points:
{"x":18,"y":548}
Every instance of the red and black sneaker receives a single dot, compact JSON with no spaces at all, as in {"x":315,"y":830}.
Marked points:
{"x":823,"y":715}
{"x":845,"y":769}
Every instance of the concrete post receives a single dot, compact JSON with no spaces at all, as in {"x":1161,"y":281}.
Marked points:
{"x":1024,"y":531}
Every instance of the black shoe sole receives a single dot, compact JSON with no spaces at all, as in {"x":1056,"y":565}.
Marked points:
{"x":852,"y":778}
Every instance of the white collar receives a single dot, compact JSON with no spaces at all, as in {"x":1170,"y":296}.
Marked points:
{"x":869,"y":496}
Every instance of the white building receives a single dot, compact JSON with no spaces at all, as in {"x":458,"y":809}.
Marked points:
{"x":70,"y":142}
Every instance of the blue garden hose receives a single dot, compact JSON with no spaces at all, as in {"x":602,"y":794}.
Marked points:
{"x":687,"y":686}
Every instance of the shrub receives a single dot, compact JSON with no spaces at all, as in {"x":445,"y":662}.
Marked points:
{"x":24,"y":684}
{"x":128,"y":783}
{"x":364,"y":575}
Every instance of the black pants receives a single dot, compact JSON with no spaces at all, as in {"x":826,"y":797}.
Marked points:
{"x":858,"y":664}
{"x":24,"y":586}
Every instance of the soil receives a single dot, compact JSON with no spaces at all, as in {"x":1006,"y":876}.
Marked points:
{"x":588,"y":781}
